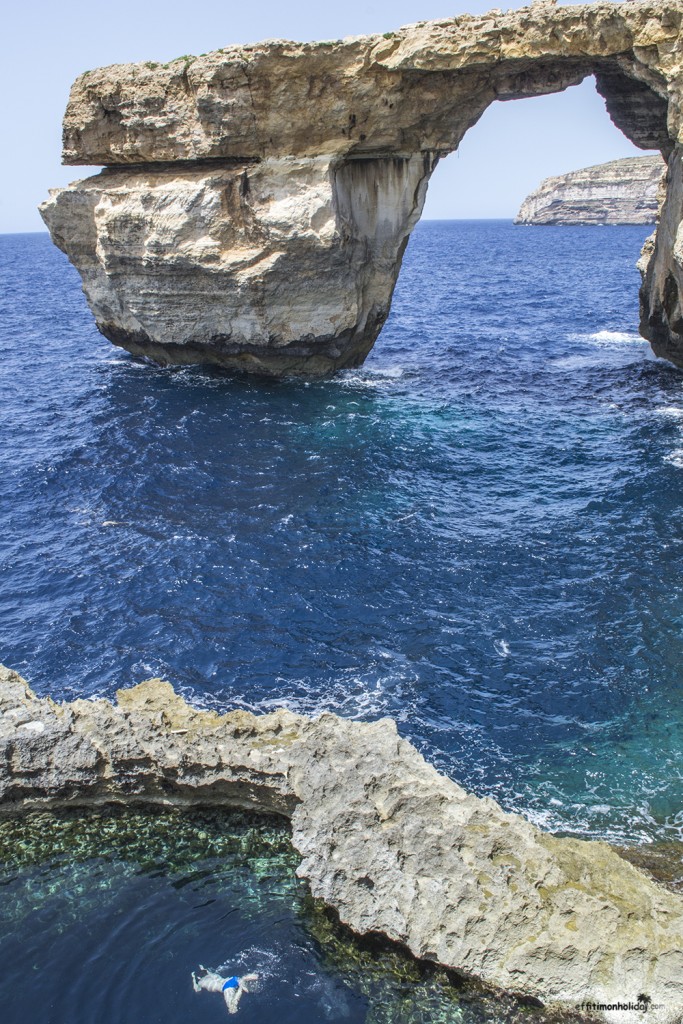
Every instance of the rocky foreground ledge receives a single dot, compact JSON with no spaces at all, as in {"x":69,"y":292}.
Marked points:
{"x":392,"y":845}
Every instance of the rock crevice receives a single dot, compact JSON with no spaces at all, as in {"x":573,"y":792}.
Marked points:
{"x":386,"y":840}
{"x":296,"y":275}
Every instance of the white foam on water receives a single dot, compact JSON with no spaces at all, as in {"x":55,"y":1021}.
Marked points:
{"x":608,"y":338}
{"x":254,"y":959}
{"x":502,"y":647}
{"x":389,"y":690}
{"x":675,"y":458}
{"x":672,"y":412}
{"x":362,"y":700}
{"x":544,"y":820}
{"x":616,"y":337}
{"x":675,"y":413}
{"x":369,"y":377}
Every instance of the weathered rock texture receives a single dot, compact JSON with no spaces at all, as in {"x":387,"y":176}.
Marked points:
{"x":269,"y":190}
{"x":661,"y":267}
{"x":282,"y":266}
{"x":618,"y":192}
{"x":391,"y":844}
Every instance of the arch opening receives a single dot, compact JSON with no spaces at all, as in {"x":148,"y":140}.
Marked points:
{"x":638,"y":108}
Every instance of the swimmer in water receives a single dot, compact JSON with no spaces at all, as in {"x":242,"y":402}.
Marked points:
{"x":232,"y":988}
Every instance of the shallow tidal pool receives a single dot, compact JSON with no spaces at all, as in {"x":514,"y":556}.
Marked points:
{"x":105,"y":914}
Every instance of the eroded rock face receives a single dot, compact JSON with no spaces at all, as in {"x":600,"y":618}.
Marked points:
{"x":278,"y":252}
{"x":618,"y":192}
{"x":392,"y":845}
{"x":286,"y":265}
{"x":661,"y":267}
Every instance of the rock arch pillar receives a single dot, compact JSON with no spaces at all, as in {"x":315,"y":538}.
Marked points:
{"x":661,"y":266}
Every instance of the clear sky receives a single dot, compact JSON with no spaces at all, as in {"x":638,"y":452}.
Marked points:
{"x":47,"y":44}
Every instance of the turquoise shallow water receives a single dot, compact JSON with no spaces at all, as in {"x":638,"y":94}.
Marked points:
{"x":479,"y":533}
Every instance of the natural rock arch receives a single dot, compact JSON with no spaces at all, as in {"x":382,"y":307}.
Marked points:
{"x":257,"y":200}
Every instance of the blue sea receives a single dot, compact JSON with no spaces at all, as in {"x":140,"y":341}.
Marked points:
{"x":478,"y":533}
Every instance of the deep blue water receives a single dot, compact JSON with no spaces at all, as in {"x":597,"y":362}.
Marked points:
{"x":479,"y":533}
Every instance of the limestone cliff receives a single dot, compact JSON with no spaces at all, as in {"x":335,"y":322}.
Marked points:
{"x":392,"y":845}
{"x":618,"y":192}
{"x":258,"y":199}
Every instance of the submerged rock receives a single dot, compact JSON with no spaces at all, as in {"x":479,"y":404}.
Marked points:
{"x":265,"y":194}
{"x":618,"y":192}
{"x":388,"y":842}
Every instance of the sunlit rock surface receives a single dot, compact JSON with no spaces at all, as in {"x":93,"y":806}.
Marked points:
{"x":618,"y":192}
{"x":281,"y":266}
{"x":392,"y":845}
{"x":265,"y":194}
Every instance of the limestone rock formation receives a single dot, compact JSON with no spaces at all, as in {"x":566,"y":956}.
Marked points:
{"x":391,"y":844}
{"x":661,"y":267}
{"x":618,"y":192}
{"x":243,"y":265}
{"x":258,"y":199}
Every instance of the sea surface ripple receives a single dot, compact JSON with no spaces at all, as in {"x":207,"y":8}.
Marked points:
{"x":479,"y":533}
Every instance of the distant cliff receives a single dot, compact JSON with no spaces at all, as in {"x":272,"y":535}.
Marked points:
{"x":619,"y":192}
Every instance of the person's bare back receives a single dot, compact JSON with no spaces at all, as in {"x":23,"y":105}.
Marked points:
{"x":232,"y":988}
